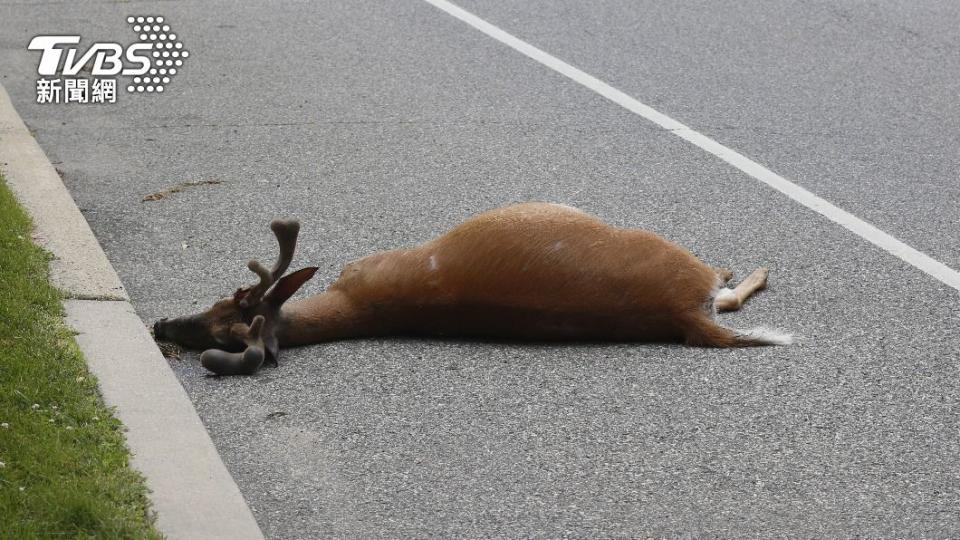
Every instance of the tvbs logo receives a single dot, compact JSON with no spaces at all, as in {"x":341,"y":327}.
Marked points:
{"x":151,"y":62}
{"x":107,"y":57}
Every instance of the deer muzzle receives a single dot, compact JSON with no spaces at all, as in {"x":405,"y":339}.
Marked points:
{"x":189,"y":332}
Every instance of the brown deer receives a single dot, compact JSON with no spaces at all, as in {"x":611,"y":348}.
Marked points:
{"x":532,"y":271}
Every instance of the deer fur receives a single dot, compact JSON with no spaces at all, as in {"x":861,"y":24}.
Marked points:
{"x":533,"y":271}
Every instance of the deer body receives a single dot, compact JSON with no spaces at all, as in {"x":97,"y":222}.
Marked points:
{"x":532,"y":271}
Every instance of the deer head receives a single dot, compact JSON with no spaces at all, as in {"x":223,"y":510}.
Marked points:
{"x":239,"y":333}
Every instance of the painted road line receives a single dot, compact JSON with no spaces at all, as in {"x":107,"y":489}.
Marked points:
{"x":861,"y":228}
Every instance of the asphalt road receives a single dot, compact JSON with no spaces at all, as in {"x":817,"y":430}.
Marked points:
{"x":382,"y":124}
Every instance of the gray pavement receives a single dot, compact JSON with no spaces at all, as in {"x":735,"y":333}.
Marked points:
{"x":380,"y":125}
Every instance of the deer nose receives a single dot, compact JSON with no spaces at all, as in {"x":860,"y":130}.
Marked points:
{"x":158,"y":328}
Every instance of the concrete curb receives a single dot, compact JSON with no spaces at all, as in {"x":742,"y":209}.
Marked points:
{"x":80,"y":267}
{"x":192,"y":492}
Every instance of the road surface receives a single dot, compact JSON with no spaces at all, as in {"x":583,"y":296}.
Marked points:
{"x":382,"y":124}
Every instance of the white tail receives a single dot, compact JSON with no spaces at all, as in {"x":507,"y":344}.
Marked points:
{"x":766,"y":336}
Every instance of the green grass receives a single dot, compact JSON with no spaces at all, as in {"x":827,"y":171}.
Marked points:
{"x":65,"y":471}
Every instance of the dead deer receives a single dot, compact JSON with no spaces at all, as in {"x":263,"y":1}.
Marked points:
{"x":534,"y":271}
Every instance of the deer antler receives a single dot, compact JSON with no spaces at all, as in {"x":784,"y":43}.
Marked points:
{"x":286,"y":232}
{"x":245,"y":363}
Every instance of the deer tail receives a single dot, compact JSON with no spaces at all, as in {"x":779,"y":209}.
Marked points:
{"x":704,"y":332}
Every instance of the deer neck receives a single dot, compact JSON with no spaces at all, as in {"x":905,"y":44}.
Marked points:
{"x":316,"y":319}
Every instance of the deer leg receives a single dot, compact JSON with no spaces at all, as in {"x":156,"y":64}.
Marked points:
{"x":732,"y":299}
{"x":724,"y":274}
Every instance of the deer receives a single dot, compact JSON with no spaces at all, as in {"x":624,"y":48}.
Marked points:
{"x":536,"y":272}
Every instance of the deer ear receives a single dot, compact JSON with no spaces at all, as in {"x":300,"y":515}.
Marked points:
{"x":290,"y":283}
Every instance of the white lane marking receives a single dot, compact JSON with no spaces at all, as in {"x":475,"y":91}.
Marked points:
{"x":861,"y":228}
